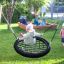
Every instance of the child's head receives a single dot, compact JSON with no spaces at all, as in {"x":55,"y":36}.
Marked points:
{"x":29,"y":22}
{"x":29,"y":27}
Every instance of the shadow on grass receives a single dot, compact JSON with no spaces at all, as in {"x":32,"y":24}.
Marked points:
{"x":19,"y":58}
{"x":16,"y":29}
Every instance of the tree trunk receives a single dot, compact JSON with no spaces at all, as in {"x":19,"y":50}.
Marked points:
{"x":9,"y":11}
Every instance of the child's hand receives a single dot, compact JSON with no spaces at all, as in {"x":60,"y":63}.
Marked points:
{"x":21,"y":34}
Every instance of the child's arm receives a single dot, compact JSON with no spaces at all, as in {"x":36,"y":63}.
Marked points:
{"x":27,"y":28}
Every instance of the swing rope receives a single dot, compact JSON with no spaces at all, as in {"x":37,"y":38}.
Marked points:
{"x":56,"y":30}
{"x":9,"y":24}
{"x":7,"y":21}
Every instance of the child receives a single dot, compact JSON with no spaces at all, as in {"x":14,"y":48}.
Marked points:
{"x":43,"y":23}
{"x":36,"y":22}
{"x":29,"y":29}
{"x":28,"y":37}
{"x":22,"y":20}
{"x":62,"y":34}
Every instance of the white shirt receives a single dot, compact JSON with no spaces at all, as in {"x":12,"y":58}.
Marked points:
{"x":28,"y":37}
{"x":30,"y":27}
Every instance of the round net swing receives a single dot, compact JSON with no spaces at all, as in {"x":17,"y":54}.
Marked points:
{"x":39,"y":49}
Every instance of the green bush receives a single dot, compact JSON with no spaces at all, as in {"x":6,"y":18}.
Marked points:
{"x":19,"y":10}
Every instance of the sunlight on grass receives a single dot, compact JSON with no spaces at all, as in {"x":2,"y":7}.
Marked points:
{"x":53,"y":61}
{"x":4,"y":26}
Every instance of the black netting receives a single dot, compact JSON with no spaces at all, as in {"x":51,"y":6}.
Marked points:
{"x":35,"y":48}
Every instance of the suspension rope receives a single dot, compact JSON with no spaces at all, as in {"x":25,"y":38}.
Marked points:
{"x":9,"y":25}
{"x":56,"y":31}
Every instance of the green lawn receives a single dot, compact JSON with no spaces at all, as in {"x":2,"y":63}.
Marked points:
{"x":9,"y":56}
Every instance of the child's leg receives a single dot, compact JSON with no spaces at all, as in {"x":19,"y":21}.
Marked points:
{"x":20,"y":36}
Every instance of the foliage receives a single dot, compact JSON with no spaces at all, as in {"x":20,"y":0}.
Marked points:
{"x":36,"y":3}
{"x":24,"y":9}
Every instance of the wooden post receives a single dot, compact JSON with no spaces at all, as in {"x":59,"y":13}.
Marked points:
{"x":10,"y":11}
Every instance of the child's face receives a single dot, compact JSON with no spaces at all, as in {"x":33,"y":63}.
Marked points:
{"x":29,"y":22}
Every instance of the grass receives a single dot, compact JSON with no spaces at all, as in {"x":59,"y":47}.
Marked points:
{"x":9,"y":56}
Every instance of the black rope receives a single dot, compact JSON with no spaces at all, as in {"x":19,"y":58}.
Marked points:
{"x":47,"y":29}
{"x":56,"y":31}
{"x":54,"y":35}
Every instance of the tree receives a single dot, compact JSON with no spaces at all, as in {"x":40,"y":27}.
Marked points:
{"x":30,"y":4}
{"x":9,"y":4}
{"x":10,"y":10}
{"x":36,"y":4}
